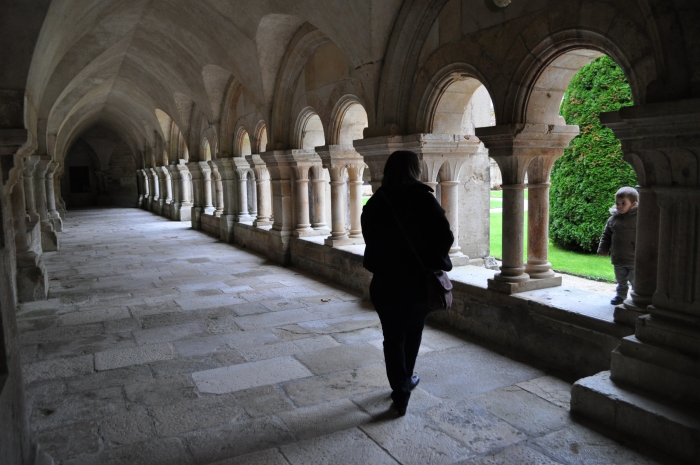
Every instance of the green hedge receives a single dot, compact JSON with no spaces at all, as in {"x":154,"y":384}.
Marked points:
{"x":585,"y":179}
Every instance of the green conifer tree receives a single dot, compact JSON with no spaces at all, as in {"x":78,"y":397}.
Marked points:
{"x":585,"y":179}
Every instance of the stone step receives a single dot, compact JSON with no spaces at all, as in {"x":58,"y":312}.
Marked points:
{"x":663,"y":332}
{"x":669,"y":427}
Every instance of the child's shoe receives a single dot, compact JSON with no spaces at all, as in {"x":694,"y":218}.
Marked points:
{"x":617,"y":300}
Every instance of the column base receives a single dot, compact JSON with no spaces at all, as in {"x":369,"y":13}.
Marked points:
{"x":259,"y":223}
{"x":49,"y":241}
{"x":226,"y":223}
{"x":309,"y":232}
{"x":341,"y":241}
{"x":196,"y":217}
{"x":57,"y":223}
{"x":459,"y":259}
{"x":628,"y":312}
{"x":506,"y":287}
{"x":669,"y":427}
{"x":32,"y":279}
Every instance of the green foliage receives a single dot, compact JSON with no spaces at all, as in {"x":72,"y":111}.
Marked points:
{"x":585,"y":179}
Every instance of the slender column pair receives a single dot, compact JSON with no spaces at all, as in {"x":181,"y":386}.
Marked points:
{"x":346,"y":167}
{"x":262,"y":186}
{"x":515,"y":148}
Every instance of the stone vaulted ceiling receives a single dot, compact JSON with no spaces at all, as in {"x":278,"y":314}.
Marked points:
{"x":115,"y":62}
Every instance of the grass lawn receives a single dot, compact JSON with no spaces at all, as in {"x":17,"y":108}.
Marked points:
{"x":580,"y":264}
{"x":499,"y":194}
{"x":496,"y":203}
{"x":364,"y":200}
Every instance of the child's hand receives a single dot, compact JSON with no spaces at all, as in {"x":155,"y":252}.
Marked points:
{"x":602,"y":254}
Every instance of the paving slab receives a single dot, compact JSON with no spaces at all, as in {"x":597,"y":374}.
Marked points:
{"x":317,"y":420}
{"x":350,"y":447}
{"x":196,"y":413}
{"x":413,"y":441}
{"x":119,"y":358}
{"x":58,"y":368}
{"x":520,"y":454}
{"x":264,"y":457}
{"x":160,"y":391}
{"x":238,"y":439}
{"x":127,"y":427}
{"x":168,"y":451}
{"x":248,"y":375}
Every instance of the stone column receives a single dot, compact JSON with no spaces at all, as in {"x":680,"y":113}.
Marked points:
{"x":262,"y":184}
{"x":449,"y":200}
{"x":166,"y":189}
{"x":54,"y":216}
{"x":156,"y":205}
{"x":513,"y":147}
{"x":355,"y":171}
{"x":175,"y":189}
{"x":139,"y":188}
{"x":654,"y":377}
{"x":49,"y":239}
{"x":538,"y":266}
{"x":186,"y":199}
{"x":303,"y":222}
{"x":319,"y":220}
{"x":197,"y":194}
{"x":30,"y":164}
{"x":242,"y":182}
{"x":340,"y":161}
{"x":645,"y":259}
{"x":217,"y":189}
{"x":278,"y":162}
{"x":146,"y":190}
{"x":206,"y":188}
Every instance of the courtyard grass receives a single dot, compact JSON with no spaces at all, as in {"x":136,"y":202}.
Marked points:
{"x":499,"y":194}
{"x":580,"y":264}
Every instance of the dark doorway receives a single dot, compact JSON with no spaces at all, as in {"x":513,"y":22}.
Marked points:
{"x":79,"y":179}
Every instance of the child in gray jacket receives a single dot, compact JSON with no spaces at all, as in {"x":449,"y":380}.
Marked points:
{"x":618,"y":239}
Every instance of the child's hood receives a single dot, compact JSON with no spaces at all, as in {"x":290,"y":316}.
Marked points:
{"x":632,"y":211}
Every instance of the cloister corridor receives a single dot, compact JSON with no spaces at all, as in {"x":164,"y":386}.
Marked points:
{"x":162,"y":345}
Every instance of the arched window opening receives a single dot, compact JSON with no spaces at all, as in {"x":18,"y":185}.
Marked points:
{"x":460,"y":178}
{"x":245,"y":144}
{"x":206,"y":150}
{"x":262,"y":139}
{"x":312,"y":134}
{"x":353,"y":124}
{"x":252,"y":197}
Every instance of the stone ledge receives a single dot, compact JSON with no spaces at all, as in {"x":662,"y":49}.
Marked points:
{"x":670,"y":428}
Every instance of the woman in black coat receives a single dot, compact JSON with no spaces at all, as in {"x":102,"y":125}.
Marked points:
{"x":398,"y":287}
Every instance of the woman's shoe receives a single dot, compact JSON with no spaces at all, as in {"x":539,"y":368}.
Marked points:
{"x":413,"y":382}
{"x":400,"y":409}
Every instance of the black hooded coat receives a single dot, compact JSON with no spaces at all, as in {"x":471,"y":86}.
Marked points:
{"x":398,"y":279}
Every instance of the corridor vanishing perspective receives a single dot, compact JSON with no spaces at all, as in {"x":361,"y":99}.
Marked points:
{"x":186,"y":350}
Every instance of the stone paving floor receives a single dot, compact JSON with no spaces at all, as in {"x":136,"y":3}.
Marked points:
{"x":160,"y":345}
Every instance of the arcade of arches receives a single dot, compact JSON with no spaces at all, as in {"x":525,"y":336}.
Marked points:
{"x":266,"y":125}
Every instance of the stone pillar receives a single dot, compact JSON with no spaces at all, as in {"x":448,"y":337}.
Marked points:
{"x":302,"y":162}
{"x":319,"y":183}
{"x":242,"y":182}
{"x":175,"y":192}
{"x":654,"y":380}
{"x":645,"y":259}
{"x":54,"y":216}
{"x":155,"y":183}
{"x":197,"y":194}
{"x":278,"y":163}
{"x":146,"y":190}
{"x":513,"y":147}
{"x":166,"y":190}
{"x":49,"y":239}
{"x":30,"y":164}
{"x":185,"y":200}
{"x":216,"y":189}
{"x":262,"y":184}
{"x":227,"y":197}
{"x":341,"y":162}
{"x":206,"y":188}
{"x":303,"y":221}
{"x":538,"y":266}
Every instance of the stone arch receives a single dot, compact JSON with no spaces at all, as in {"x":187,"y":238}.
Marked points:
{"x":260,"y":138}
{"x":205,"y":150}
{"x":551,"y":65}
{"x":309,"y":131}
{"x":301,"y":48}
{"x":348,"y":120}
{"x":243,"y":143}
{"x":209,"y":135}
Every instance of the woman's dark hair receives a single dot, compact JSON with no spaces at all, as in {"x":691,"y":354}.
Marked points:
{"x":402,"y":168}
